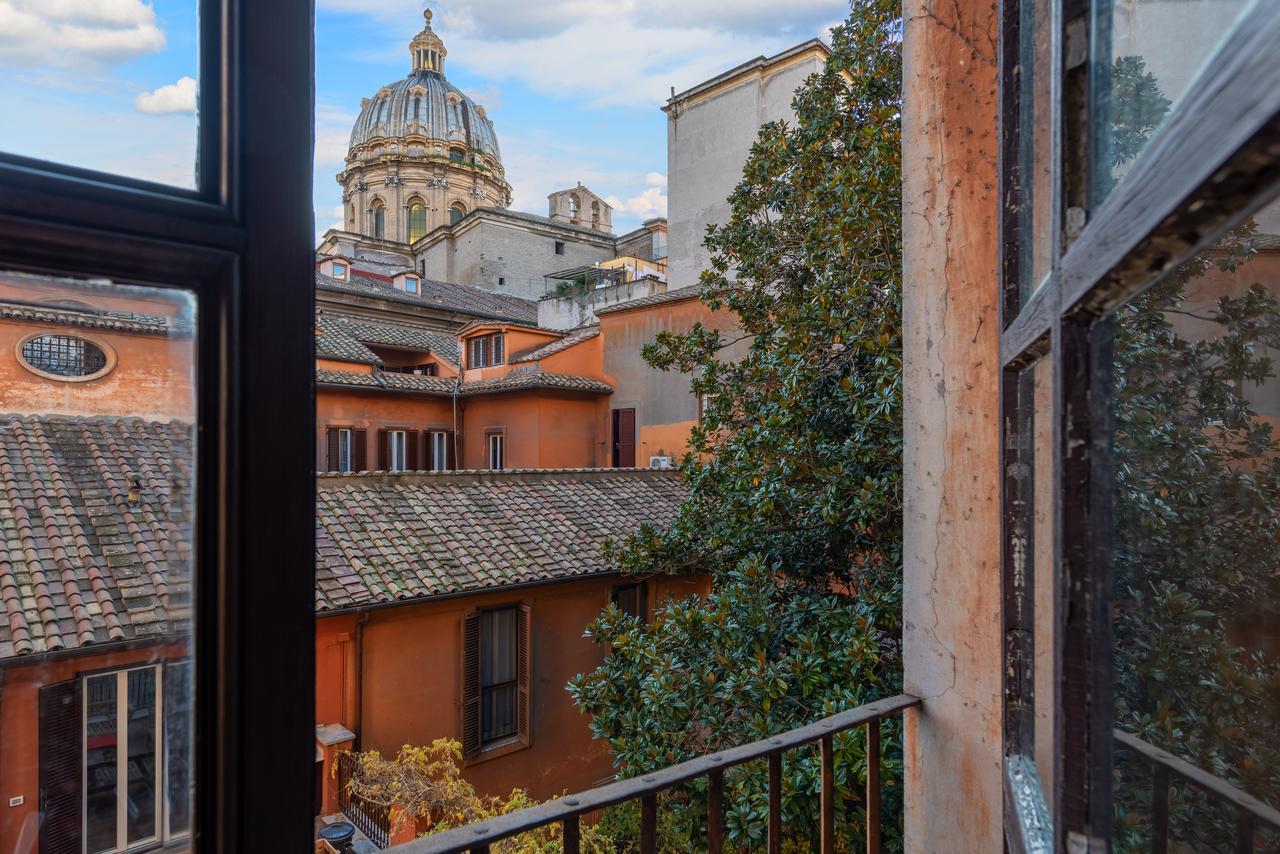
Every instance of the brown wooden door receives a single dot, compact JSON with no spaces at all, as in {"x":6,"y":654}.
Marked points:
{"x":624,"y":438}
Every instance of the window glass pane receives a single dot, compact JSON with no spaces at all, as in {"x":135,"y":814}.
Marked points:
{"x":1035,"y":155}
{"x":97,"y":482}
{"x":108,"y":86}
{"x":498,"y":673}
{"x":143,"y":770}
{"x":1196,"y":493}
{"x":101,"y":741}
{"x":1151,"y":51}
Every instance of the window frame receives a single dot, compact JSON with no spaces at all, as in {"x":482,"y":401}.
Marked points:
{"x":495,"y":439}
{"x":474,"y":751}
{"x":244,"y":256}
{"x":1202,"y":172}
{"x":443,"y":449}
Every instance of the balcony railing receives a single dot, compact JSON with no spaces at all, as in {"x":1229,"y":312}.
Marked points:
{"x":569,"y":810}
{"x":373,"y":820}
{"x":1250,"y":812}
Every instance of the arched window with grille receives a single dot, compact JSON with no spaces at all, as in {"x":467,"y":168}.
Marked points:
{"x":417,"y":219}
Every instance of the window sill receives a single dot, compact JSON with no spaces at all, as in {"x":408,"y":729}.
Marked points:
{"x":493,"y":751}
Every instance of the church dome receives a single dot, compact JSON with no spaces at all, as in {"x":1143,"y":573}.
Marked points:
{"x":427,"y":106}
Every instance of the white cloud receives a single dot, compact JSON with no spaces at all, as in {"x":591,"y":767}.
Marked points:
{"x":177,"y":97}
{"x":646,"y":205}
{"x":67,"y":32}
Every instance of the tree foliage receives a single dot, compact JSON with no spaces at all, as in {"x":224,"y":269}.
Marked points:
{"x":795,"y":472}
{"x":426,"y":785}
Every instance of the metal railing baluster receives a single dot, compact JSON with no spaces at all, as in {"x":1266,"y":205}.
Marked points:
{"x":873,"y":786}
{"x":715,"y":811}
{"x":649,"y":824}
{"x":828,"y":795}
{"x":775,"y":803}
{"x":1159,"y":810}
{"x":572,"y":835}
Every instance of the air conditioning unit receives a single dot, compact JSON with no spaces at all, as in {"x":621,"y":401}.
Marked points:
{"x":659,"y":462}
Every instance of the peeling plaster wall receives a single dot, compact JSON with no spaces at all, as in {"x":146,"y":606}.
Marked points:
{"x":952,"y":549}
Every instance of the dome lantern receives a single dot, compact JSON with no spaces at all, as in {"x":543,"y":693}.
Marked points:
{"x":427,"y":49}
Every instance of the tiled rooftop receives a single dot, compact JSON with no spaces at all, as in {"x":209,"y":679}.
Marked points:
{"x":80,"y":564}
{"x":344,"y":337}
{"x":387,"y":537}
{"x":439,"y":295}
{"x":106,"y":320}
{"x":687,"y":292}
{"x":516,"y":380}
{"x":575,"y":337}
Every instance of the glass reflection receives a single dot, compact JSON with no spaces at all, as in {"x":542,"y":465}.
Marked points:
{"x":1197,"y":521}
{"x":101,"y":741}
{"x":1150,"y":53}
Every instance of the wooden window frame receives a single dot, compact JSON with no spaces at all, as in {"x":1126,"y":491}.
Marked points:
{"x":245,"y":252}
{"x":474,"y":751}
{"x":1203,"y":171}
{"x":501,"y":436}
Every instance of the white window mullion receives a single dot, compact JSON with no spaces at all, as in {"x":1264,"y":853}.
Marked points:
{"x":122,"y":760}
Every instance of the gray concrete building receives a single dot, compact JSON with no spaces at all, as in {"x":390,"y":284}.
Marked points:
{"x":710,"y":129}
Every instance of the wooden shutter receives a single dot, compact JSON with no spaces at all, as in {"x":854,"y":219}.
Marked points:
{"x":470,"y":682}
{"x":384,"y":450}
{"x":624,"y":438}
{"x":411,"y":440}
{"x":331,"y":452}
{"x":451,"y":452}
{"x":60,"y":784}
{"x":359,"y":450}
{"x":498,"y":354}
{"x":524,"y":667}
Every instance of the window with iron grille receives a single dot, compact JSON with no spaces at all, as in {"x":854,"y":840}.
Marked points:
{"x":64,"y":355}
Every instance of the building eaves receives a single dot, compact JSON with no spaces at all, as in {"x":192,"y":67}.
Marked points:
{"x":687,"y":292}
{"x":759,"y":63}
{"x":517,"y":381}
{"x":565,"y":343}
{"x":144,"y":324}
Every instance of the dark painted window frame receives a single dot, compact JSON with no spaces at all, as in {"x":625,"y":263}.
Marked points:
{"x":1205,"y":170}
{"x":247,"y":257}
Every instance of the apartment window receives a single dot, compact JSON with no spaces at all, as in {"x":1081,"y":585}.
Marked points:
{"x":339,"y":270}
{"x":398,"y":450}
{"x":411,"y":284}
{"x":344,"y":449}
{"x":497,"y":450}
{"x":440,"y":449}
{"x":496,"y":679}
{"x":502,"y":283}
{"x":658,"y":245}
{"x":631,"y":599}
{"x":559,"y":247}
{"x":486,"y":350}
{"x":134,"y":740}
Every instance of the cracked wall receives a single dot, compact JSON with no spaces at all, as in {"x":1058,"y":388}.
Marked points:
{"x":951,"y":420}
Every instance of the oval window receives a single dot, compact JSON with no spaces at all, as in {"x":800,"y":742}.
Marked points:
{"x":65,"y":357}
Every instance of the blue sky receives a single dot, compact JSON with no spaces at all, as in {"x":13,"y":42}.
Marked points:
{"x":573,"y":86}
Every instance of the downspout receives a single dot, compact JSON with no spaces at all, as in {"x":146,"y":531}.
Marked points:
{"x":357,"y":724}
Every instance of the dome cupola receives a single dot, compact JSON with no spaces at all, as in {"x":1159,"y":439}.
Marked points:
{"x":422,"y":154}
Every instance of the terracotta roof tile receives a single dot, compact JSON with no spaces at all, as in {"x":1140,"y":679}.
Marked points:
{"x":522,"y":379}
{"x":79,"y":564}
{"x":576,"y":337}
{"x":688,"y":292}
{"x":514,"y":381}
{"x":382,"y":537}
{"x":435,"y":294}
{"x":107,"y":320}
{"x":343,"y":337}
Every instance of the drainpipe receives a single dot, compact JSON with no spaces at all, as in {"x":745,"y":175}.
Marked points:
{"x":359,"y":679}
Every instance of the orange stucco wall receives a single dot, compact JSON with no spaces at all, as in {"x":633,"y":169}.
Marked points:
{"x":373,"y":410}
{"x":543,"y":429}
{"x":20,"y":730}
{"x":152,"y":377}
{"x":410,"y":670}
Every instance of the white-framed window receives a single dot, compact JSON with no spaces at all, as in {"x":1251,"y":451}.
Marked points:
{"x":411,"y":284}
{"x":396,"y":450}
{"x":497,"y":450}
{"x":339,"y":270}
{"x":344,"y":449}
{"x":132,"y":734}
{"x":438,"y":443}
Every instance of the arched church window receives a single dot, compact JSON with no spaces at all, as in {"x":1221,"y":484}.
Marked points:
{"x":417,"y":219}
{"x":379,"y":219}
{"x":456,"y":213}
